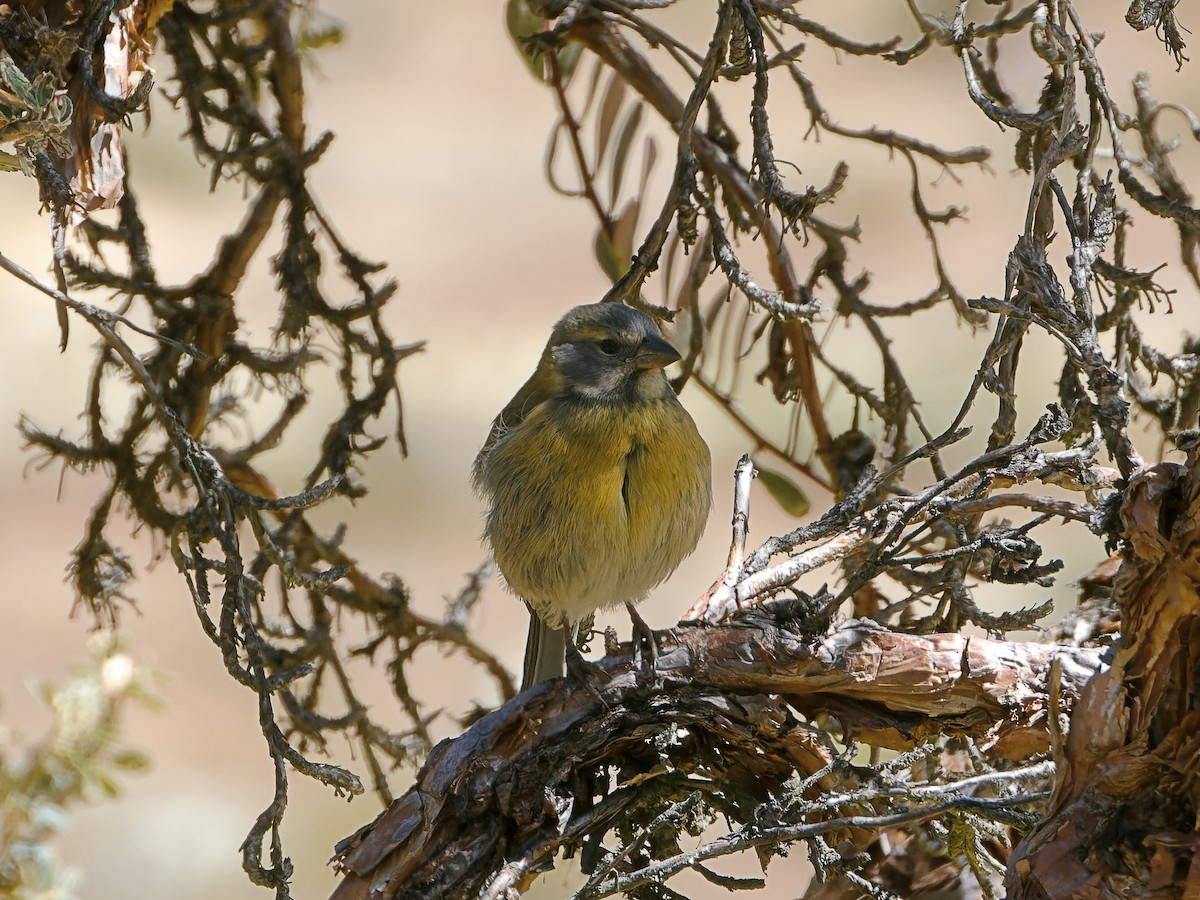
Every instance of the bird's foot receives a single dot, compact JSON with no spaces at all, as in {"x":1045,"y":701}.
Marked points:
{"x":644,"y":640}
{"x":582,"y":671}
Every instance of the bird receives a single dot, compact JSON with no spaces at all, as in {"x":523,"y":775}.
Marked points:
{"x":596,"y":479}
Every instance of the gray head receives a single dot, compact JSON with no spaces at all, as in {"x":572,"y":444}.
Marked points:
{"x":608,"y":351}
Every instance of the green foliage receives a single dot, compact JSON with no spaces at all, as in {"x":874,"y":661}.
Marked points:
{"x":784,"y":491}
{"x":33,"y":115}
{"x":527,"y":28}
{"x":78,"y":761}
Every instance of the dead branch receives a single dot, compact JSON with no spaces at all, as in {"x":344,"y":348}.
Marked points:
{"x":1134,"y":730}
{"x":723,"y":710}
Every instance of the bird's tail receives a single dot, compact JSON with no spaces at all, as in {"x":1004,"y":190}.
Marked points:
{"x":545,"y":649}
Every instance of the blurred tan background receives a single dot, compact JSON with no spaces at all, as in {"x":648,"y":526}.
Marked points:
{"x":437,"y":169}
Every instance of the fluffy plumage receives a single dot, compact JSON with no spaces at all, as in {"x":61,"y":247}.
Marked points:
{"x":598,"y":484}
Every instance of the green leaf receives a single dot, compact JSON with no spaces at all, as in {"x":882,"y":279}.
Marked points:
{"x":318,"y":34}
{"x":9,"y":163}
{"x":603,"y":249}
{"x":60,"y":112}
{"x":624,"y":234}
{"x":589,"y":96}
{"x":557,"y":136}
{"x":43,"y":91}
{"x":606,"y":116}
{"x":568,"y":61}
{"x":523,"y":23}
{"x":131,"y":761}
{"x":23,"y":130}
{"x":16,"y":80}
{"x":624,"y":141}
{"x":615,"y":253}
{"x":648,"y":161}
{"x":784,"y":490}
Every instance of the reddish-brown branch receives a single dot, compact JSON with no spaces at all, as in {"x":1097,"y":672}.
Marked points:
{"x":587,"y":179}
{"x":731,"y":410}
{"x":605,"y":40}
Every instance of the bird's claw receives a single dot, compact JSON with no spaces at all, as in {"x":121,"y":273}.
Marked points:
{"x":581,"y":671}
{"x":645,"y":640}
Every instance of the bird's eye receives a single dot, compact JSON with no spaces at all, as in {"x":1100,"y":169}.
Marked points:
{"x":609,"y":347}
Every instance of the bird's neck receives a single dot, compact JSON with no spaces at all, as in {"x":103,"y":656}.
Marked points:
{"x":644,"y":387}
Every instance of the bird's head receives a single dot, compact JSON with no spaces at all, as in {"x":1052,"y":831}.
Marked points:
{"x":609,"y":352}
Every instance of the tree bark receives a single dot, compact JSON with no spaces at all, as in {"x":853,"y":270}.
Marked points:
{"x":1122,"y":821}
{"x":492,"y":807}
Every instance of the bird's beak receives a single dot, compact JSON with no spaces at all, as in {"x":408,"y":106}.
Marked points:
{"x":655,"y":353}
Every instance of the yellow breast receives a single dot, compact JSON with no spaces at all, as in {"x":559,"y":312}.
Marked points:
{"x":595,"y":504}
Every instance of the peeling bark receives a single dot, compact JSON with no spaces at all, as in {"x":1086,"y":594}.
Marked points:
{"x":723,"y":707}
{"x":1123,"y":819}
